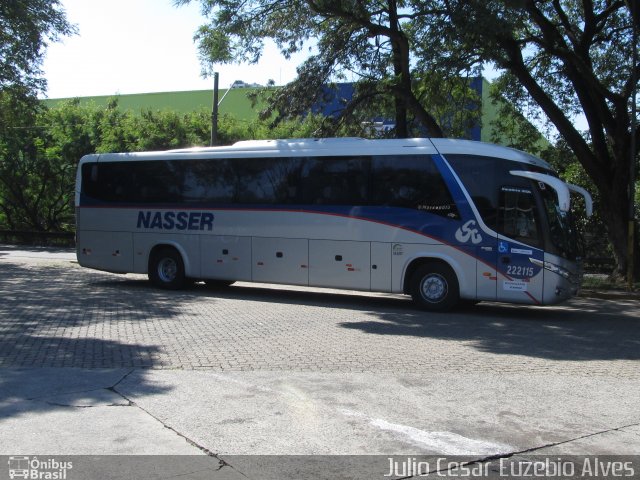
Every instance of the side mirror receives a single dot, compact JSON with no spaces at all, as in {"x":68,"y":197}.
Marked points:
{"x":561,"y":188}
{"x":588,"y":201}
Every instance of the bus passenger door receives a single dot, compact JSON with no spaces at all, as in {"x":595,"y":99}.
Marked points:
{"x":520,"y":279}
{"x":486,"y":277}
{"x":481,"y":245}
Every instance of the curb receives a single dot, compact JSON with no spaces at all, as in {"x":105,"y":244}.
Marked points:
{"x":610,"y":294}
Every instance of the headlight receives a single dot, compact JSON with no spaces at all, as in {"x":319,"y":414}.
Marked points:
{"x":563,"y":272}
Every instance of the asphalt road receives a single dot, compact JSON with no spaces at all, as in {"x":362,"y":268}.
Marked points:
{"x":262,"y":369}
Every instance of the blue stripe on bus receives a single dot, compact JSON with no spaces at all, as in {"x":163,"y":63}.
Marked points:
{"x":422,"y":223}
{"x":456,"y":192}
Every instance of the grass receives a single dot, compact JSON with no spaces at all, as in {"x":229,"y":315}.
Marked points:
{"x":601,"y":281}
{"x":236,"y":102}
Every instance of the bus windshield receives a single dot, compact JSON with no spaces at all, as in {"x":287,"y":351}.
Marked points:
{"x":563,"y":233}
{"x":520,"y":201}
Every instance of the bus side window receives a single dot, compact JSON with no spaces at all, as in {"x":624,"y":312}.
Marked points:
{"x":487,"y":211}
{"x":90,"y":180}
{"x":105,"y":182}
{"x":411,"y":181}
{"x":482,"y":177}
{"x":335,"y":180}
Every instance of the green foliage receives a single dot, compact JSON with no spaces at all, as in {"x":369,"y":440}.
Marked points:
{"x":510,"y":127}
{"x":377,"y":43}
{"x":40,"y":149}
{"x":232,"y":129}
{"x":26,"y":27}
{"x":32,"y":194}
{"x":561,"y":61}
{"x":593,"y":229}
{"x":453,"y":103}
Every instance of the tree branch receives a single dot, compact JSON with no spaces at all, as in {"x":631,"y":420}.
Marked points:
{"x":581,"y":75}
{"x":515,"y":64}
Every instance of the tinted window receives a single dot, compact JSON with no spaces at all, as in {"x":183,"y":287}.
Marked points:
{"x":482,"y":177}
{"x":209,"y":181}
{"x":305,"y":180}
{"x":136,"y":182}
{"x":517,"y":215}
{"x":335,"y":181}
{"x":505,"y":202}
{"x":563,"y":233}
{"x":411,"y":181}
{"x":397,"y":181}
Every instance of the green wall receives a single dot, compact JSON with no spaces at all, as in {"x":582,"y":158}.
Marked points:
{"x":235,"y":102}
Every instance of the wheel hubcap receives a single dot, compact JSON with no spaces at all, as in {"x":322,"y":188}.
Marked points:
{"x":433,"y":288}
{"x":167,"y":269}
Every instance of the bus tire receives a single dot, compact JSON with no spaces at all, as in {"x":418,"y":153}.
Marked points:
{"x":166,"y":269}
{"x":434,"y":287}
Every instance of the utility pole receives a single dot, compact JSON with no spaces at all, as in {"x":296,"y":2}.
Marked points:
{"x":214,"y":112}
{"x":633,"y":148}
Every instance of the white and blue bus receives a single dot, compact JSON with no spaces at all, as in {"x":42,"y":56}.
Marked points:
{"x":441,"y":220}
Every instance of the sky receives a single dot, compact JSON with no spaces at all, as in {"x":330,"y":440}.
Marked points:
{"x":139,"y":46}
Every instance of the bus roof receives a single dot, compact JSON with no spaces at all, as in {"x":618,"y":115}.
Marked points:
{"x":331,"y":146}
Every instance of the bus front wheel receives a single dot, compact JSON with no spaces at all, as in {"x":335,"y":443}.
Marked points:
{"x":434,"y":287}
{"x":166,"y":269}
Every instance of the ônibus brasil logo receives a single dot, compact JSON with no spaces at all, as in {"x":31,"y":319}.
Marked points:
{"x":34,"y":468}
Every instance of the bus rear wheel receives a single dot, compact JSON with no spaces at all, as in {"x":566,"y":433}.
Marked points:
{"x":166,"y":269}
{"x":434,"y":287}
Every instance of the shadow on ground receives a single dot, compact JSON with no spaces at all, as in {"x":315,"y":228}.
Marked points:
{"x":52,"y":317}
{"x":582,"y":329}
{"x":55,"y":316}
{"x":48,"y":320}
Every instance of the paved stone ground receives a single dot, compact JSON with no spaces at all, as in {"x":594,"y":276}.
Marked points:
{"x":55,"y":314}
{"x":259,"y":369}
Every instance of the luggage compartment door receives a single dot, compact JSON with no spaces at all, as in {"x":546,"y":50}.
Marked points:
{"x":226,"y":257}
{"x":110,"y":251}
{"x":280,"y":260}
{"x":340,"y":264}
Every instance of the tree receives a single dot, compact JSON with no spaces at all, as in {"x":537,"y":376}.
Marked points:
{"x":29,"y":193}
{"x":567,"y":58}
{"x":560,"y":58}
{"x":37,"y":162}
{"x":371,"y":40}
{"x":26,"y":26}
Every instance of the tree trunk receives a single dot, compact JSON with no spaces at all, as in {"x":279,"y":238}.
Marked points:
{"x":615,"y":212}
{"x":400,"y":49}
{"x":608,"y":168}
{"x":405,"y":100}
{"x":616,"y":224}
